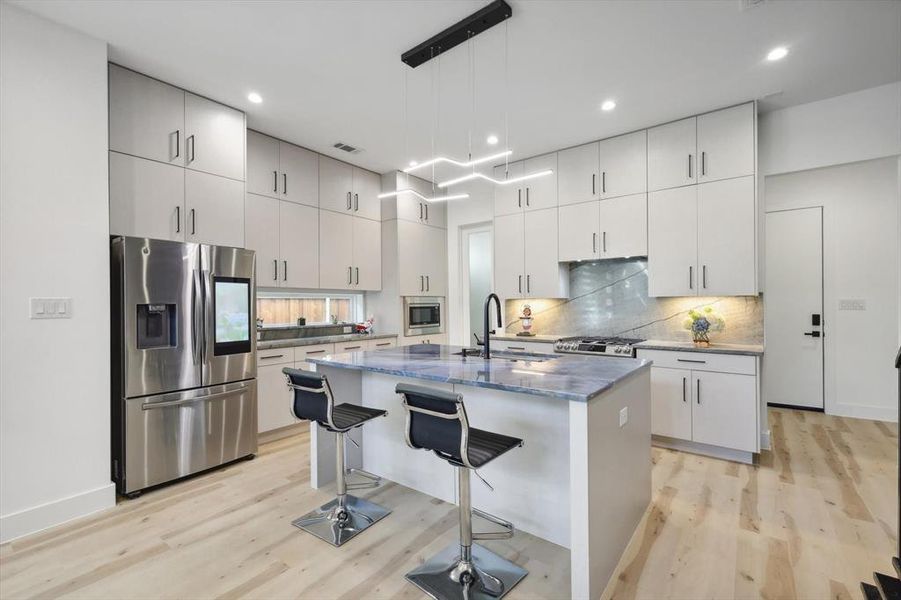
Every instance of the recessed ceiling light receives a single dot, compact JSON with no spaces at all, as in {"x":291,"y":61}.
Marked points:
{"x":254,"y":97}
{"x":608,"y":105}
{"x":777,"y":53}
{"x":492,"y":139}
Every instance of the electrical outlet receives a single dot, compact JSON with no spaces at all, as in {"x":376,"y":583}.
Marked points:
{"x":623,"y":415}
{"x":853,"y":304}
{"x":50,"y":308}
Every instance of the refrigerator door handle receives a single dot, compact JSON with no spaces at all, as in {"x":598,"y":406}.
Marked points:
{"x":152,"y":405}
{"x":196,"y":306}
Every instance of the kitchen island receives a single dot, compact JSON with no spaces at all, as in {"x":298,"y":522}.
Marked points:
{"x":583,"y":476}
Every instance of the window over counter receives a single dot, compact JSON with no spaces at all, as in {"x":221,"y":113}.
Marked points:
{"x":285,"y":308}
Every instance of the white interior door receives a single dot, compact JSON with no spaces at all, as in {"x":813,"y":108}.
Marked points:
{"x":793,"y":302}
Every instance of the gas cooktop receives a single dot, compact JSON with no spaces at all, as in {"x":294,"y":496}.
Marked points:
{"x":599,"y":346}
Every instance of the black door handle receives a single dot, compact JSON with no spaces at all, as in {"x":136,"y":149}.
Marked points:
{"x":812,"y":333}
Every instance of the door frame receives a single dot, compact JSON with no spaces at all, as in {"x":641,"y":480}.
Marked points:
{"x":823,"y":326}
{"x":465,"y":232}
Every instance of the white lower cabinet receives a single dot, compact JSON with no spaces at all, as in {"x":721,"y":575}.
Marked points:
{"x":273,"y":395}
{"x":707,"y":398}
{"x":438,"y":338}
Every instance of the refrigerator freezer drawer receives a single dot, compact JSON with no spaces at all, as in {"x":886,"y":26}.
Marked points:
{"x":173,"y":435}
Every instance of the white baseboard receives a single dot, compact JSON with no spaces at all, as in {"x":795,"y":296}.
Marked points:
{"x":765,"y":440}
{"x":43,"y":516}
{"x":857,"y":411}
{"x":705,"y":449}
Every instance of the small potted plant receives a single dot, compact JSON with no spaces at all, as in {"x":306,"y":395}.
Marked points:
{"x":700,"y":322}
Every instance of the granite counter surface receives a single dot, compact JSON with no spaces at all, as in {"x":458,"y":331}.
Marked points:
{"x":745,"y":349}
{"x":324,"y":339}
{"x":561,"y":376}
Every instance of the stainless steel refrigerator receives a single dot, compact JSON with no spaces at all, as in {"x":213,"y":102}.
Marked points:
{"x":184,"y":391}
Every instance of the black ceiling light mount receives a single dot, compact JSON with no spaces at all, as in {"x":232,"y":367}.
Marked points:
{"x":479,"y":21}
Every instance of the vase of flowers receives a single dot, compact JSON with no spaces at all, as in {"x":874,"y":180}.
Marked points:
{"x":700,"y":322}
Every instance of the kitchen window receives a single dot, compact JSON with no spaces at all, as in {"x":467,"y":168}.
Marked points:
{"x":283,"y":308}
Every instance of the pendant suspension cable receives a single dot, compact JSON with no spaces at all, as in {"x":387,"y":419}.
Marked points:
{"x":506,"y":94}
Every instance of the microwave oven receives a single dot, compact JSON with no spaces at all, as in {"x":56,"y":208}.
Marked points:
{"x":423,"y":315}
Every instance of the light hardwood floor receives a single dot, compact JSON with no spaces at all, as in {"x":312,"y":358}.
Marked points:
{"x":814,"y":519}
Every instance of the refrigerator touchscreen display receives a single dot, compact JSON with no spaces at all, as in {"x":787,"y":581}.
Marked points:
{"x":231,"y":306}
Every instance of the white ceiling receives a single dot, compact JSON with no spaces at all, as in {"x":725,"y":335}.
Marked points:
{"x":331,"y":71}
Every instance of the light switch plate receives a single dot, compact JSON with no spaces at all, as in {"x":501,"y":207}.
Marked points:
{"x":852,"y":304}
{"x":50,"y":308}
{"x":623,"y":415}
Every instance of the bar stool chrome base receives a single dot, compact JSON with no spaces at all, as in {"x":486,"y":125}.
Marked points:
{"x":331,"y":524}
{"x":446,"y":576}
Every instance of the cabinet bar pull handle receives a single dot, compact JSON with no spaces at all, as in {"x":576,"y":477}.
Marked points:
{"x":284,"y":183}
{"x":193,"y":222}
{"x":275,"y":181}
{"x":516,"y":347}
{"x":683,"y":390}
{"x":689,"y":166}
{"x":593,"y":177}
{"x":529,"y":284}
{"x":691,"y":285}
{"x":422,"y":283}
{"x":594,"y":243}
{"x":699,"y":391}
{"x":178,"y":219}
{"x":382,"y":344}
{"x":428,"y":285}
{"x":519,"y":198}
{"x":604,"y":182}
{"x":273,"y":356}
{"x":704,"y":276}
{"x":191,"y":139}
{"x":356,"y":202}
{"x":604,"y":243}
{"x":688,"y":360}
{"x":315,"y":352}
{"x":348,"y":201}
{"x":177,"y":143}
{"x":352,"y":347}
{"x":426,"y":212}
{"x":358,"y":276}
{"x":520,"y":284}
{"x":350,"y":275}
{"x":275,"y":269}
{"x":527,"y":196}
{"x":703,"y":163}
{"x":285,"y":274}
{"x":420,"y":211}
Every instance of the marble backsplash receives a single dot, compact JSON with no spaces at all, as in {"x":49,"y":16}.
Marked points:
{"x":611,"y":298}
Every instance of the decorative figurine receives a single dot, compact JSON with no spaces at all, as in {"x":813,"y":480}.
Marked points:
{"x":526,"y":319}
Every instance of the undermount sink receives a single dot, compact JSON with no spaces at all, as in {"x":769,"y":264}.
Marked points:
{"x":507,"y":355}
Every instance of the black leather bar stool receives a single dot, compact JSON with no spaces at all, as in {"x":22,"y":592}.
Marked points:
{"x":344,"y":517}
{"x":436,"y":420}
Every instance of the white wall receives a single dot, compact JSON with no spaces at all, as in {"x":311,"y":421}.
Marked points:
{"x":478,"y":208}
{"x":861,"y":261}
{"x":54,"y":374}
{"x":843,"y":129}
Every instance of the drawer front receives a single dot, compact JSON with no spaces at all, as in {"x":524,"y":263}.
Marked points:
{"x":354,"y":346}
{"x":702,"y":361}
{"x":275,"y":356}
{"x":383,"y":343}
{"x":538,"y":347}
{"x":301,"y":353}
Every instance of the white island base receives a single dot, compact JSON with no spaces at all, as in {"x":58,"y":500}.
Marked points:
{"x":580,"y":480}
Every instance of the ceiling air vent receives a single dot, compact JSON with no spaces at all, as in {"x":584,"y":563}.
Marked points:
{"x":749,"y":4}
{"x":348,"y":148}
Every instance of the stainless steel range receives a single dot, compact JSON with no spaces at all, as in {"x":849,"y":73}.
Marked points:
{"x":597,"y":346}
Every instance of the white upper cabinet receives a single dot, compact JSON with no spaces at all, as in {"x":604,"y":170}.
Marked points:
{"x":215,"y":138}
{"x":215,"y":209}
{"x":579,"y":231}
{"x":726,"y":143}
{"x":726,"y":239}
{"x":672,"y":160}
{"x":367,"y":254}
{"x":544,"y":276}
{"x":262,"y":164}
{"x":541,"y":192}
{"x":624,"y":165}
{"x":261,"y":222}
{"x":508,"y":198}
{"x":422,"y":259}
{"x":298,"y":174}
{"x":146,"y":117}
{"x":366,"y":188}
{"x":298,"y":235}
{"x":335,"y":185}
{"x":336,"y":250}
{"x":147,"y":198}
{"x":577,"y":176}
{"x":509,"y":256}
{"x":673,"y":242}
{"x":435,"y":261}
{"x":411,"y":207}
{"x":623,"y":226}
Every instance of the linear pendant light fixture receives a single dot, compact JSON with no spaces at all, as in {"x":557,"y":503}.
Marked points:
{"x":472,"y":176}
{"x":421,"y":197}
{"x":469,"y":163}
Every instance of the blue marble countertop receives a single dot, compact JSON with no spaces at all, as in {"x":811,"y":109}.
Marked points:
{"x":568,"y":377}
{"x":322,"y":339}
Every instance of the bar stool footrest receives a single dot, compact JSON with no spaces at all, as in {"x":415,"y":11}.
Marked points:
{"x":492,"y":575}
{"x":374,"y":480}
{"x":328,"y":524}
{"x":493,"y":535}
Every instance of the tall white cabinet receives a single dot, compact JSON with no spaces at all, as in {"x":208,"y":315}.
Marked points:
{"x":176,"y":163}
{"x":525,"y":256}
